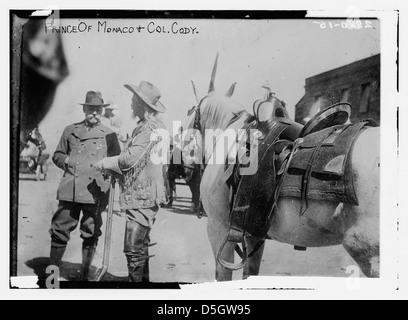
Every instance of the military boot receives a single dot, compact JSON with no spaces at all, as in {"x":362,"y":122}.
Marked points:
{"x":146,"y":243}
{"x":138,"y":267}
{"x":56,"y":255}
{"x":136,"y":251}
{"x":88,"y":252}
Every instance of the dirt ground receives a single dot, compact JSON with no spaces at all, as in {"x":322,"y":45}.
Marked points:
{"x":182,"y":255}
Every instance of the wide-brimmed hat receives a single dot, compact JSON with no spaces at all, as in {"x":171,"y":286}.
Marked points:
{"x":149,"y":93}
{"x":94,"y":98}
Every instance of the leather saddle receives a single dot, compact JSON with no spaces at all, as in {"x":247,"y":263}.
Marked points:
{"x":320,"y":169}
{"x":253,"y":197}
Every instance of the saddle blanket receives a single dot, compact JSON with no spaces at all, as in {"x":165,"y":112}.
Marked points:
{"x":331,"y":176}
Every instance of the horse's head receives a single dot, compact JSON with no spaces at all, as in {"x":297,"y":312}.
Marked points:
{"x":209,"y":113}
{"x":37,"y":138}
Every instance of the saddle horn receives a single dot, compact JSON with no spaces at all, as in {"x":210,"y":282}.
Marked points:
{"x":195,"y":91}
{"x":230,"y":91}
{"x":268,"y":89}
{"x":214,"y":71}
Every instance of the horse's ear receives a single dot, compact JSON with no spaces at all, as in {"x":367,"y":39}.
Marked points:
{"x":195,"y":91}
{"x":230,"y":91}
{"x":214,"y":71}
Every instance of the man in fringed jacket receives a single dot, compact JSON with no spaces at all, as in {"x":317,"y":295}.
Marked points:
{"x":140,"y":177}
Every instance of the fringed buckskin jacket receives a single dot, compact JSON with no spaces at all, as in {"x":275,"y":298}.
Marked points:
{"x":141,"y":180}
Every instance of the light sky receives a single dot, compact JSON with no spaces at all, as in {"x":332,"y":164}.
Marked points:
{"x":251,"y":52}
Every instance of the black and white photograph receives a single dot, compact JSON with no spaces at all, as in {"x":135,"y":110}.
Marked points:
{"x":205,"y":150}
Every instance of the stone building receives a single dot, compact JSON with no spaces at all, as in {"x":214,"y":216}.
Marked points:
{"x":357,"y":83}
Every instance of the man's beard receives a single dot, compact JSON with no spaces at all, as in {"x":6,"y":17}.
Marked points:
{"x":134,"y":115}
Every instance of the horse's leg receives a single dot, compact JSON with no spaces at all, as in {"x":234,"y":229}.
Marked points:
{"x":254,"y":263}
{"x":196,"y":195}
{"x":361,"y":242}
{"x":216,"y":206}
{"x":196,"y":186}
{"x":216,"y":234}
{"x":194,"y":190}
{"x":362,"y":234}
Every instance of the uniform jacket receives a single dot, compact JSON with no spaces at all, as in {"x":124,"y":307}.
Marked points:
{"x":84,"y":146}
{"x":142,"y":180}
{"x":115,"y":124}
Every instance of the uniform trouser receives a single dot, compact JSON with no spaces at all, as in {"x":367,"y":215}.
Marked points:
{"x":137,"y":240}
{"x":65,"y":220}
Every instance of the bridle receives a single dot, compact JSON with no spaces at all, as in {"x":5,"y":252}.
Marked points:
{"x":198,"y":166}
{"x":197,"y":117}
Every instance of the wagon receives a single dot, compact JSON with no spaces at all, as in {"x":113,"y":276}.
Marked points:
{"x":34,"y":166}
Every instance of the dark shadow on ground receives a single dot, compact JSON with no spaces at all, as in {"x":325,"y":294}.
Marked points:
{"x":68,"y":270}
{"x":179,"y":209}
{"x":183,"y":199}
{"x":182,"y":209}
{"x":72,"y":271}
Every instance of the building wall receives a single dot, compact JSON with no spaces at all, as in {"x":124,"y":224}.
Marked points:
{"x":361,"y":79}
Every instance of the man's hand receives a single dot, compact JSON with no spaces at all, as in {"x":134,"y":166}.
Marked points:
{"x":108,"y":166}
{"x":66,"y":163}
{"x":100,"y":165}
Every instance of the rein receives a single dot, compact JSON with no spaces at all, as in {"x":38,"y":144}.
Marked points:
{"x":197,"y":119}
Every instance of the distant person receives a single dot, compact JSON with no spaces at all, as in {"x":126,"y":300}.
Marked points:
{"x":142,"y":180}
{"x":171,"y":175}
{"x":82,"y":187}
{"x":111,"y":120}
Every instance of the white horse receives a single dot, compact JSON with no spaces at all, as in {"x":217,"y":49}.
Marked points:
{"x":354,"y":226}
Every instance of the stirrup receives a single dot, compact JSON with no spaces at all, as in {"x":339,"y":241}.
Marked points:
{"x":228,"y":265}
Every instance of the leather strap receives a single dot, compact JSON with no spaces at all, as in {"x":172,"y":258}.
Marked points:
{"x":245,"y":197}
{"x":308,"y":172}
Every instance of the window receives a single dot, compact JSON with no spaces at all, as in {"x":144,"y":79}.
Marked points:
{"x":365,"y":98}
{"x":345,"y":94}
{"x":316,"y":106}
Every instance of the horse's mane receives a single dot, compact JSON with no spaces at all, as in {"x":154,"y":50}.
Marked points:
{"x":218,"y":111}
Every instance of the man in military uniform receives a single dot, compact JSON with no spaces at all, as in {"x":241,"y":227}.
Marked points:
{"x":141,"y":179}
{"x":82,"y":187}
